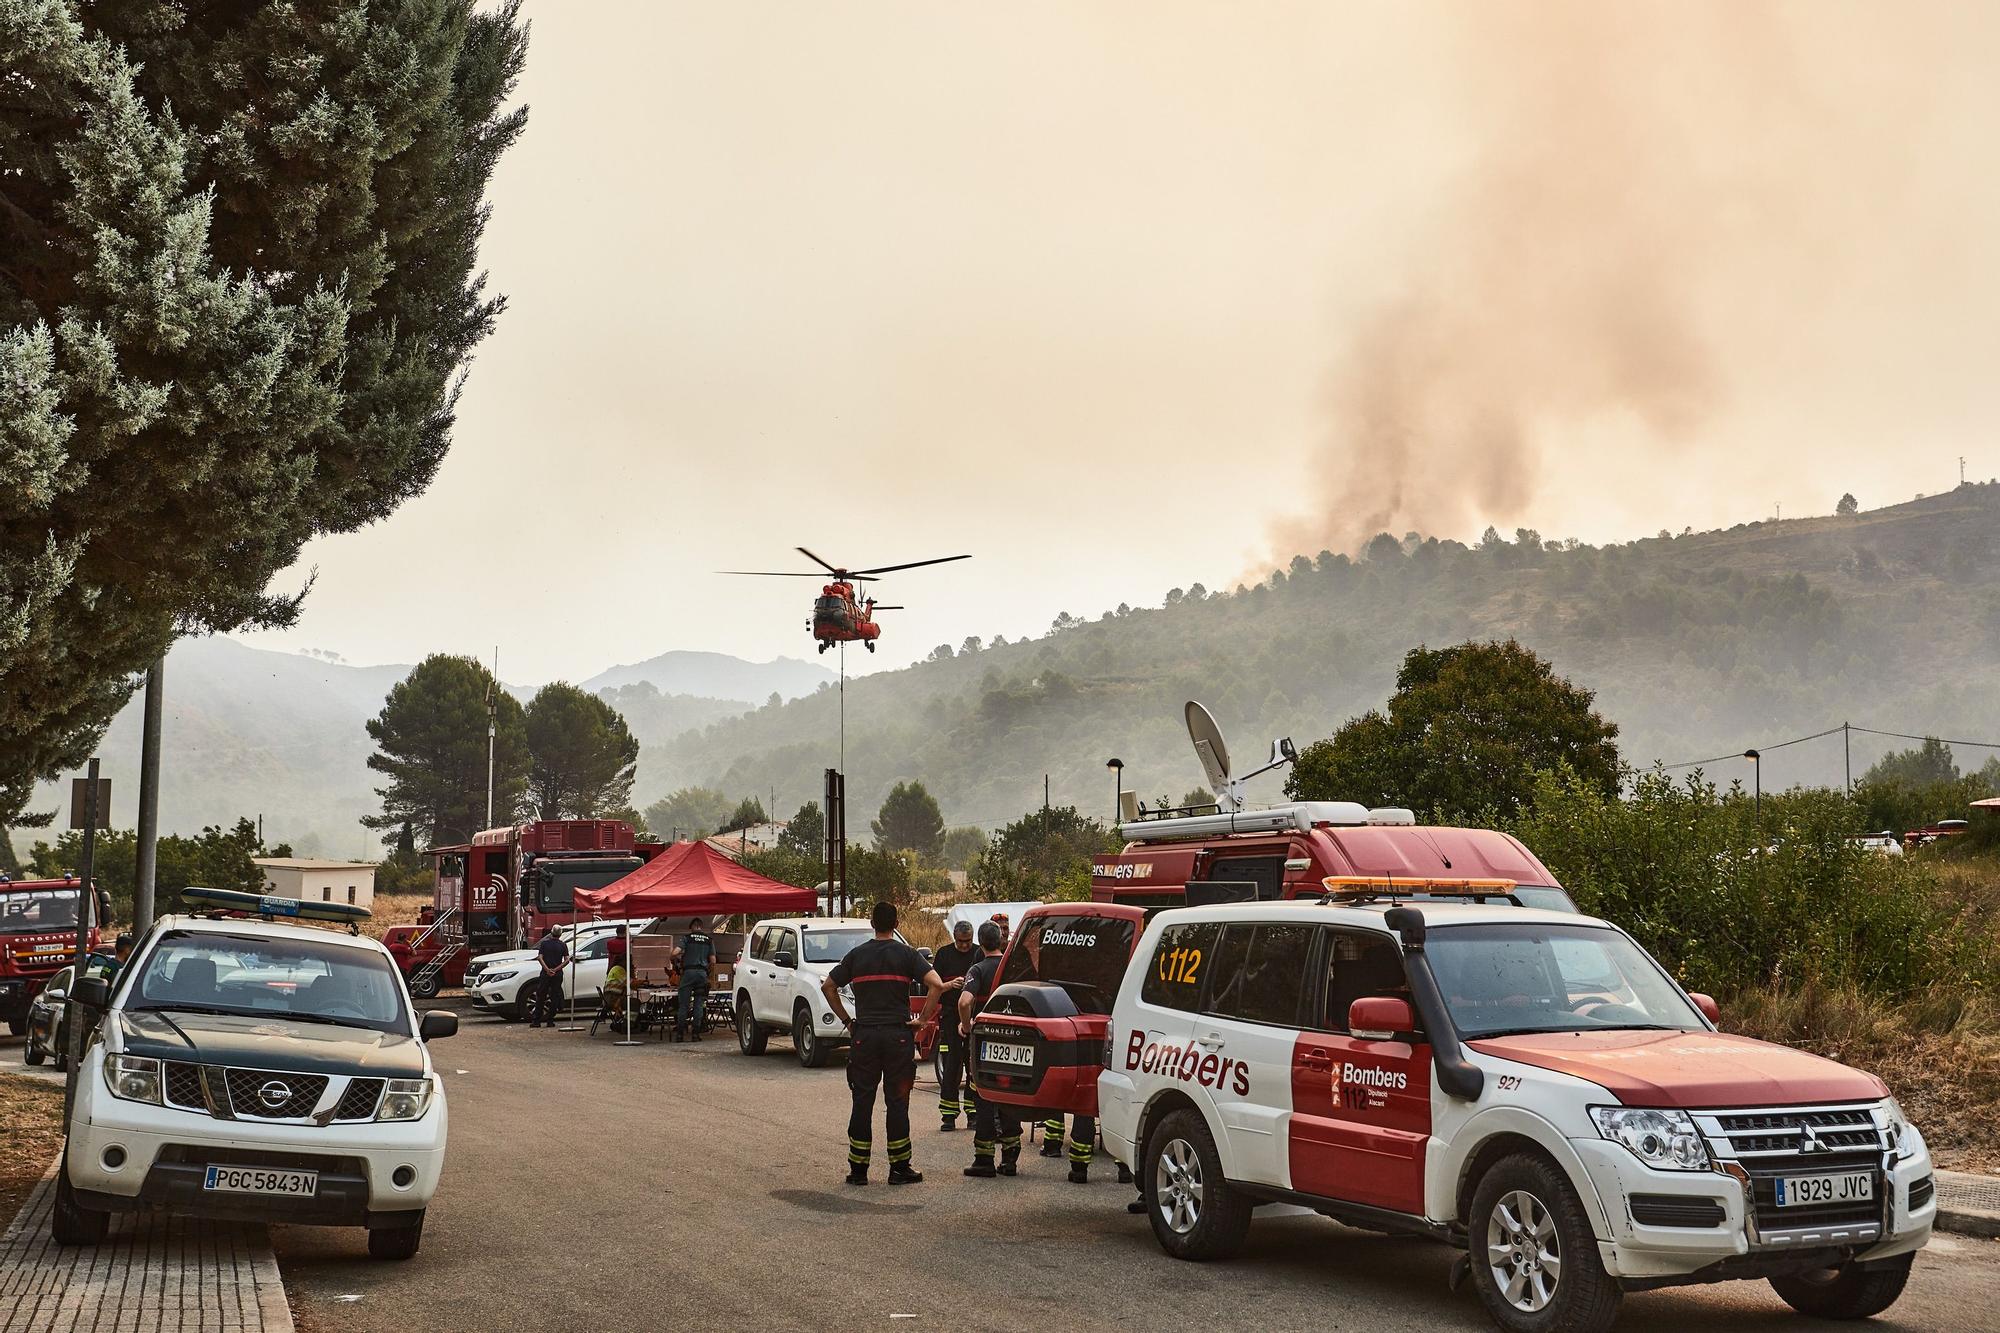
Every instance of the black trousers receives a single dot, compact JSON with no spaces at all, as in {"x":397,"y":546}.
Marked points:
{"x":952,"y":1073}
{"x":994,"y":1125}
{"x":884,"y":1055}
{"x":548,"y":994}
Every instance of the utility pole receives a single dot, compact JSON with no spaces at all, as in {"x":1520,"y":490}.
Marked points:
{"x":1847,"y":755}
{"x":86,"y":912}
{"x":492,"y":712}
{"x":149,"y":799}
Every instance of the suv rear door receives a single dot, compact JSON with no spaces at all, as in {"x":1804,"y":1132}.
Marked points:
{"x":1244,"y":1039}
{"x":1361,"y":1112}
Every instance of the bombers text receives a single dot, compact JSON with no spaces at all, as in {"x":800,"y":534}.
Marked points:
{"x":1189,"y":1064}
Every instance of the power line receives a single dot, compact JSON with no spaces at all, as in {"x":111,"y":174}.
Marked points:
{"x":1831,"y":731}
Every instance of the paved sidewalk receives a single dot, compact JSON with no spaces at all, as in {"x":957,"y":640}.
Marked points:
{"x":151,"y":1275}
{"x":1968,"y":1203}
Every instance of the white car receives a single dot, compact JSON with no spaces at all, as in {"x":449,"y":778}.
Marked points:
{"x":498,"y":982}
{"x":778,"y":984}
{"x":249,"y":1070}
{"x":1528,"y":1085}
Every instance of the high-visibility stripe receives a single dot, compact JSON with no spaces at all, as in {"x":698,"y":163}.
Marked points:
{"x":1081,"y":1152}
{"x":1010,"y":1141}
{"x":1054,"y":1125}
{"x":896,"y":977}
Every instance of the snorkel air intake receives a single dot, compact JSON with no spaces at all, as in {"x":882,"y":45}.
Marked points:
{"x":1458,"y":1076}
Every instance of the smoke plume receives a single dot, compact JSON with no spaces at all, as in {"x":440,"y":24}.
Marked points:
{"x":1667,"y":216}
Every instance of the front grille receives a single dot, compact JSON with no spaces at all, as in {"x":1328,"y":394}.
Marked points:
{"x":188,"y":1154}
{"x":1674,"y":1210}
{"x":358,"y":1102}
{"x":1921,"y":1192}
{"x":247,"y":1086}
{"x":1764,"y":1191}
{"x":1763,"y":1145}
{"x":184,"y":1086}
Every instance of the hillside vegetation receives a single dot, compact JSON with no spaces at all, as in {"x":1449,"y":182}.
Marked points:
{"x":1697,"y":645}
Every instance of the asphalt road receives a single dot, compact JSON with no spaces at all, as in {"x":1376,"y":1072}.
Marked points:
{"x":590,"y":1187}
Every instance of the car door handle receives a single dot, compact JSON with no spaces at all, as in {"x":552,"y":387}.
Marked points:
{"x":1319,"y":1060}
{"x":1209,"y":1039}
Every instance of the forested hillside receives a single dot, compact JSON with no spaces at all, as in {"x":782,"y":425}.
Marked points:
{"x":1697,"y":645}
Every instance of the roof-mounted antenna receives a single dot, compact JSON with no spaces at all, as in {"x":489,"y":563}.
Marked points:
{"x":1214,"y":756}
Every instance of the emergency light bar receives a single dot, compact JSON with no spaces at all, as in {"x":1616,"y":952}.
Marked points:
{"x":269,"y":906}
{"x":1391,"y":886}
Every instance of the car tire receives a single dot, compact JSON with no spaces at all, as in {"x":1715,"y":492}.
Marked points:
{"x":811,"y":1048}
{"x":399,"y":1242}
{"x":34,"y":1054}
{"x":1196,"y":1213}
{"x":18,"y":1026}
{"x":426,"y":986}
{"x":70,"y":1223}
{"x":751,"y":1037}
{"x":1526,"y":1218}
{"x":1846,"y":1292}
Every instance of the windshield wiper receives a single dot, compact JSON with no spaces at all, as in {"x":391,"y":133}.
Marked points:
{"x":323,"y":1018}
{"x":188,"y":1009}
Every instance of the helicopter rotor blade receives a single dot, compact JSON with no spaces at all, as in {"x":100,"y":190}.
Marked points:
{"x":914,"y":564}
{"x":834,"y":570}
{"x":775,"y":573}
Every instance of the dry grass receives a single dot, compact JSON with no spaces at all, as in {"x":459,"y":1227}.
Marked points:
{"x":395,"y":909}
{"x":923,"y":930}
{"x":32,"y":1112}
{"x":1939,"y":1054}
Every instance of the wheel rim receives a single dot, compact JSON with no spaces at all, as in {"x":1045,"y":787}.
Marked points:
{"x":744,"y":1026}
{"x":1523,"y":1251}
{"x":1177,"y":1186}
{"x":802,"y":1036}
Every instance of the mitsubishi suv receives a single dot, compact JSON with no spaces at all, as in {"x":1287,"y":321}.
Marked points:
{"x":253,"y":1070}
{"x":1528,"y":1086}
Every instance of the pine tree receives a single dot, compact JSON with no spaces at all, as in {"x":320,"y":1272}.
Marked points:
{"x":910,"y":821}
{"x":583,"y":755}
{"x":233,"y":314}
{"x":431,"y":744}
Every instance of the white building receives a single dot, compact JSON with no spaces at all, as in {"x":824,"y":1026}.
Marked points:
{"x":738,"y":843}
{"x":314,"y":881}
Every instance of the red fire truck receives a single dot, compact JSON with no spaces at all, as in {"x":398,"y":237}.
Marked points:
{"x":502,"y":889}
{"x":38,"y":938}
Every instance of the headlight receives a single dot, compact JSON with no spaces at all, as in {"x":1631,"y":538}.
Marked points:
{"x":488,"y":978}
{"x":136,"y":1078}
{"x":1664,"y":1139}
{"x":1902,"y":1134}
{"x":405,"y":1099}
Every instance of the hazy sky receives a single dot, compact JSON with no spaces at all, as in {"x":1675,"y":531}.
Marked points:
{"x":1124,"y":296}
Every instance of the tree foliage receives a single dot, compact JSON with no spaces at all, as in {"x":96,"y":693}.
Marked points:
{"x":582,"y":758}
{"x":691,"y":812}
{"x":1466,"y":732}
{"x":239,"y":288}
{"x":1044,"y":854}
{"x":748,"y":811}
{"x":430,"y":742}
{"x":805,"y":832}
{"x":961,"y":846}
{"x":909,"y":820}
{"x":1848,"y":506}
{"x":215,"y":858}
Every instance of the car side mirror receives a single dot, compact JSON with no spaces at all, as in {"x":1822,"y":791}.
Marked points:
{"x":91,"y":992}
{"x":1380,"y":1017}
{"x":785,"y":959}
{"x":437,"y":1023}
{"x":1707,"y":1005}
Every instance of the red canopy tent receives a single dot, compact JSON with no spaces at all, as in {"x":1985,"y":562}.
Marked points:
{"x":693,"y":879}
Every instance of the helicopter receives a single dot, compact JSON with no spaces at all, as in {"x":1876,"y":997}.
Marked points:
{"x":839,"y":616}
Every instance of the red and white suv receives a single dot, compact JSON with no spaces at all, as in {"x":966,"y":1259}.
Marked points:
{"x":1528,"y":1085}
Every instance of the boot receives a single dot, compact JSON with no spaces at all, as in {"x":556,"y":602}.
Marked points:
{"x":1051,"y":1147}
{"x":982,"y":1168}
{"x":947,"y":1126}
{"x":1008,"y":1162}
{"x":1124,"y":1174}
{"x":857,"y":1175}
{"x":1079,"y":1174}
{"x":902,"y":1173}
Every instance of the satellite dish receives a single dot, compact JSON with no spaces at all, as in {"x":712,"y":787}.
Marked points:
{"x":1209,"y":747}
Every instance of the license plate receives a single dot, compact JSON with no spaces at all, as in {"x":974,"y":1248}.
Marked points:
{"x":1005,"y":1053}
{"x":1800,"y":1191}
{"x":261,"y":1180}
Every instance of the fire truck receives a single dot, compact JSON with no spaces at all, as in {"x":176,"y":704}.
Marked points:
{"x":502,"y":889}
{"x":1039,"y":1040}
{"x":38,"y":938}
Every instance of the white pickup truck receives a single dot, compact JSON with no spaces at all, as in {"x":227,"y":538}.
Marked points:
{"x":778,"y":984}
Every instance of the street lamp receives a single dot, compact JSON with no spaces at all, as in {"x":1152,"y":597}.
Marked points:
{"x":1117,"y":767}
{"x":1757,"y":781}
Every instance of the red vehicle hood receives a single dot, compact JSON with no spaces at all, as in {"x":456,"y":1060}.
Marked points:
{"x":1689,"y":1070}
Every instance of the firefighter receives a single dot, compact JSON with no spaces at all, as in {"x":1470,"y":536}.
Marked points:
{"x":883,"y":1049}
{"x":696,"y":951}
{"x":994,"y":1124}
{"x":952,"y":963}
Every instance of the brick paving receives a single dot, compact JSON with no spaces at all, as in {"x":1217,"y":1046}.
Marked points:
{"x":152,"y":1274}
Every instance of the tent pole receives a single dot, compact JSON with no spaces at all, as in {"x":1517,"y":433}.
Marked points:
{"x":630,"y":989}
{"x":574,"y":936}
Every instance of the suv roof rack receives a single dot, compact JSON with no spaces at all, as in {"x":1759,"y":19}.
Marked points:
{"x":224,"y":903}
{"x":1298,"y":817}
{"x":1392,"y":888}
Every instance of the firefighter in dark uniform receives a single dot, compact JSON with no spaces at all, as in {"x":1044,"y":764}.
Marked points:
{"x":994,"y":1124}
{"x":884,"y":1046}
{"x":695,"y":954}
{"x":952,"y":963}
